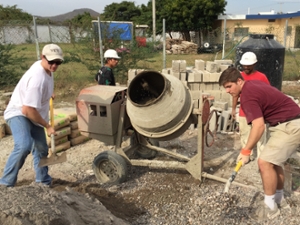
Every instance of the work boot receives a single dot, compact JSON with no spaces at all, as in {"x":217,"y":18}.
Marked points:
{"x":263,"y":212}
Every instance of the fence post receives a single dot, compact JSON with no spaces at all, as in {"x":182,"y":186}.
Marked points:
{"x":100,"y":41}
{"x":36,"y":39}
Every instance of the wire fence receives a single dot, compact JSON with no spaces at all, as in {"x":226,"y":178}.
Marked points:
{"x":84,"y":39}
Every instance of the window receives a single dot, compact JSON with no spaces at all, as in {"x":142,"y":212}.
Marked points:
{"x":271,"y":20}
{"x":241,"y":31}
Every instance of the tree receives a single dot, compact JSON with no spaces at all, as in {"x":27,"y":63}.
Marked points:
{"x":13,"y":13}
{"x":186,"y":15}
{"x":124,"y":11}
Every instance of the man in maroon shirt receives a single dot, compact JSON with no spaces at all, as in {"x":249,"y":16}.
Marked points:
{"x":262,"y":104}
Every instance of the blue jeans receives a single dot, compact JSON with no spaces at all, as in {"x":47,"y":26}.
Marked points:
{"x":27,"y":137}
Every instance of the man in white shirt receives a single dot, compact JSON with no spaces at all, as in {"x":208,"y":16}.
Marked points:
{"x":27,"y":115}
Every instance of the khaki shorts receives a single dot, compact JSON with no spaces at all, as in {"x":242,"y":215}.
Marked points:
{"x":282,"y":143}
{"x":245,"y":130}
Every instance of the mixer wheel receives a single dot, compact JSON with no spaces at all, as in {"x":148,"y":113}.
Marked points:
{"x":110,"y":168}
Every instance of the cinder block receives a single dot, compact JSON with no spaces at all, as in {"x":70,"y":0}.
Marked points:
{"x":202,"y":87}
{"x":216,"y":86}
{"x":221,"y":105}
{"x":211,"y":67}
{"x":131,"y":74}
{"x":223,"y":61}
{"x":214,"y":77}
{"x":166,"y":71}
{"x":216,"y":94}
{"x":175,"y":66}
{"x":195,"y":86}
{"x":208,"y":86}
{"x":196,"y":94}
{"x":196,"y":103}
{"x":139,"y":71}
{"x":227,"y":121}
{"x":197,"y":75}
{"x":183,"y":76}
{"x":182,"y":66}
{"x":199,"y":64}
{"x":223,"y":67}
{"x":206,"y":76}
{"x":191,"y":77}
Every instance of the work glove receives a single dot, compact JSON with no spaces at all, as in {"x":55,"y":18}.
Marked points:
{"x":244,"y":156}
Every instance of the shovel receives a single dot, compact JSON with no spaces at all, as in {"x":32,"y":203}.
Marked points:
{"x":233,"y":175}
{"x":53,"y":158}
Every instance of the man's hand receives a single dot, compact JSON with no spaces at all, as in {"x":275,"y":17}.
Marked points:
{"x":233,"y":113}
{"x":50,"y":130}
{"x":244,"y":156}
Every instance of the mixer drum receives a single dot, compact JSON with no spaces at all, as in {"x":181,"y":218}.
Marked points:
{"x":159,"y":106}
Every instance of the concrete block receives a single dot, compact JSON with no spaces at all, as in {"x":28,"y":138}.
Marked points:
{"x":191,"y":77}
{"x":223,"y":61}
{"x":227,"y":121}
{"x":211,"y":67}
{"x":176,"y":66}
{"x":199,"y":64}
{"x":214,"y":77}
{"x":166,"y":71}
{"x":183,"y":76}
{"x":216,"y":86}
{"x":196,"y":103}
{"x":131,"y":74}
{"x":196,"y":94}
{"x":139,"y":71}
{"x":198,"y":75}
{"x":206,"y":76}
{"x":222,"y":68}
{"x":182,"y":66}
{"x":195,"y":86}
{"x":208,"y":86}
{"x":216,"y":94}
{"x":202,"y":86}
{"x":221,"y":105}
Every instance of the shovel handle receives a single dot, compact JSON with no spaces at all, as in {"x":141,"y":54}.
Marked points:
{"x":52,"y":144}
{"x":238,"y":166}
{"x":51,"y":112}
{"x":52,"y":124}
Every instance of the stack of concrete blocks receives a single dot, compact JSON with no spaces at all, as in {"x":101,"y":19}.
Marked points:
{"x":132,"y":73}
{"x":203,"y":80}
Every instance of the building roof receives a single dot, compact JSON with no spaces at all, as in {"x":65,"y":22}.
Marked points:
{"x":259,"y":16}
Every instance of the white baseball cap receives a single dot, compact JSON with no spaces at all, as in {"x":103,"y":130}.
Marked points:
{"x":52,"y":52}
{"x":249,"y":58}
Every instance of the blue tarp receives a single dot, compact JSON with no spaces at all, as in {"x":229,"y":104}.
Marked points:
{"x":109,"y":30}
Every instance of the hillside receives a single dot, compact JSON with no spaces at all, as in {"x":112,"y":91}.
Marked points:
{"x":70,"y":15}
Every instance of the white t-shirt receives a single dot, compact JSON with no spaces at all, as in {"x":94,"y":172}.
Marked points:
{"x":34,"y":89}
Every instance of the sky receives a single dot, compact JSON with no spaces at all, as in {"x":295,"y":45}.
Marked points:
{"x":57,"y":7}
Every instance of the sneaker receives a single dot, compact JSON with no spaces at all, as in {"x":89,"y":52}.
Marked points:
{"x":263,"y":212}
{"x":284,"y":206}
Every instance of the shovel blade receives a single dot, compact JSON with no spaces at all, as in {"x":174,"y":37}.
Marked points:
{"x":53,"y":159}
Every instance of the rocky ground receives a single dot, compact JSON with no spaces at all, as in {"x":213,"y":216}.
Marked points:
{"x":148,"y":196}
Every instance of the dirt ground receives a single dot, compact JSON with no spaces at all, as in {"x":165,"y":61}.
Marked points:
{"x":148,"y":196}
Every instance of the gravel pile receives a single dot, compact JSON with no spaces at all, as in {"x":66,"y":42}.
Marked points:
{"x":149,"y":196}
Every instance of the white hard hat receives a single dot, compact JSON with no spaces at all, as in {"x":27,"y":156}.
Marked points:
{"x":249,"y":58}
{"x":110,"y":53}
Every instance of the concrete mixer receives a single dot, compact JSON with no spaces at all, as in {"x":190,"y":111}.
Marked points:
{"x":154,"y":107}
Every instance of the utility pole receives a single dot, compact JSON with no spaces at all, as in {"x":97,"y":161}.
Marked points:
{"x":154,"y":20}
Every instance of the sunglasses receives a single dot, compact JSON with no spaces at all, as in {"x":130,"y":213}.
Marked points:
{"x":57,"y":62}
